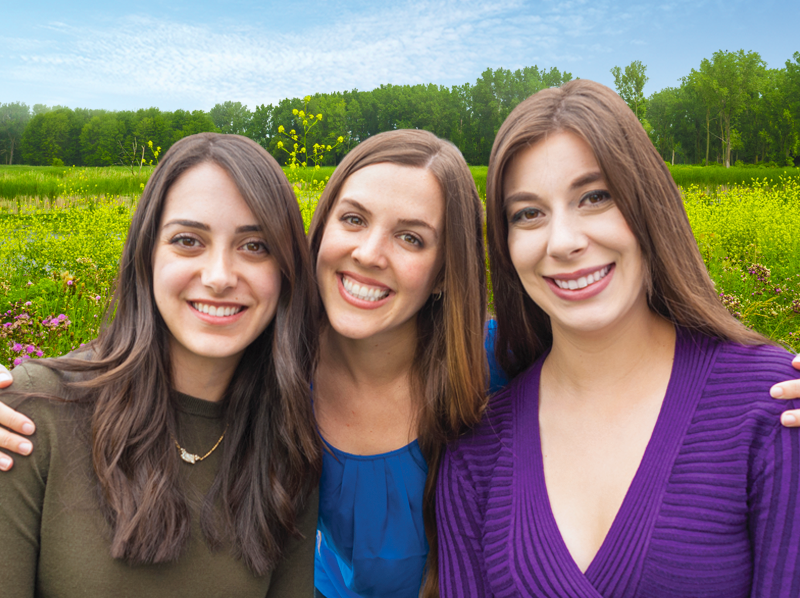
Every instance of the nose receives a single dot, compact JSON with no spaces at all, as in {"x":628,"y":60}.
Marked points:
{"x":371,"y":250}
{"x":219,"y":272}
{"x":567,"y":238}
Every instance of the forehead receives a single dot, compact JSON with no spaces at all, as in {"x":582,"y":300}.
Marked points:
{"x":552,"y":163}
{"x":395,"y":191}
{"x":206,"y":192}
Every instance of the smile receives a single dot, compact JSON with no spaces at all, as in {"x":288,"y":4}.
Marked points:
{"x":363,"y":292}
{"x":218,"y":311}
{"x":583,"y":281}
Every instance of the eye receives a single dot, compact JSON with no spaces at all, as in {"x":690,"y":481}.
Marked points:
{"x":596,"y":198}
{"x":185,"y":241}
{"x":255,"y":247}
{"x":410,"y":239}
{"x":353,"y":219}
{"x":525,"y":215}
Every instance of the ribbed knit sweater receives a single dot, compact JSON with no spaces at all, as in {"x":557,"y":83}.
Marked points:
{"x":712,"y":510}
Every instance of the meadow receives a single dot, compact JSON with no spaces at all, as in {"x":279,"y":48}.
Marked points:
{"x":62,"y":231}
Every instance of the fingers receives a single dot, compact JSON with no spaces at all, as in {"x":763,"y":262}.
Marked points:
{"x":14,"y":443}
{"x":791,"y":419}
{"x":6,"y":379}
{"x":790,"y":389}
{"x":14,"y":421}
{"x":5,"y":462}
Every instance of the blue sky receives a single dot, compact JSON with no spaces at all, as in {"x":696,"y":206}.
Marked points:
{"x":193,"y":54}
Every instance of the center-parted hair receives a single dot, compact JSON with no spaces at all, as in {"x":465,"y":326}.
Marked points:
{"x":677,"y":282}
{"x":271,"y":455}
{"x":449,"y":371}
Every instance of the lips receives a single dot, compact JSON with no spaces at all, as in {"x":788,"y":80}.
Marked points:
{"x":581,"y":282}
{"x":217,"y":310}
{"x":363,"y":291}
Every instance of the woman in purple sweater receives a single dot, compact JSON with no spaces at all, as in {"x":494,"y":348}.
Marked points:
{"x":636,"y":453}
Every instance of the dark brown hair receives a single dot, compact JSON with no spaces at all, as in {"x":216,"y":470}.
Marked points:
{"x":450,"y":362}
{"x":678,"y":285}
{"x":271,"y":456}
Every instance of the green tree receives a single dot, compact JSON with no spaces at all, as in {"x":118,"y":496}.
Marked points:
{"x":728,"y":83}
{"x":13,"y":119}
{"x":231,"y":117}
{"x":630,"y":84}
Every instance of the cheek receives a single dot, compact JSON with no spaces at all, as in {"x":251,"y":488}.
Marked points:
{"x":525,"y":249}
{"x":268,"y":287}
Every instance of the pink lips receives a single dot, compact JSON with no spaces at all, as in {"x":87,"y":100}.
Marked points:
{"x":217,"y":320}
{"x":584,"y":293}
{"x":355,"y":301}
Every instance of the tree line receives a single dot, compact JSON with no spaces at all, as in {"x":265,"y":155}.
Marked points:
{"x":731,"y":108}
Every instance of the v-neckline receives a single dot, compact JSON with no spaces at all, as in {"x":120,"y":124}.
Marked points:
{"x":634,"y":520}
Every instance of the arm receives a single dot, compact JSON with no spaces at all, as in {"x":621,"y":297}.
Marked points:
{"x":21,"y":498}
{"x":774,"y":517}
{"x":294,"y":575}
{"x":462,"y":570}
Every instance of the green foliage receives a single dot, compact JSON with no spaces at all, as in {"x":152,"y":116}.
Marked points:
{"x":231,"y":117}
{"x":304,"y":166}
{"x":751,"y":251}
{"x":57,"y":268}
{"x":630,"y":86}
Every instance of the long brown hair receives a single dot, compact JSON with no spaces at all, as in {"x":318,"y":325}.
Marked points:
{"x":271,"y":456}
{"x":449,"y":369}
{"x":678,"y":285}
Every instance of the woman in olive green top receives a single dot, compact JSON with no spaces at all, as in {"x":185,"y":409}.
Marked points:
{"x":176,"y":455}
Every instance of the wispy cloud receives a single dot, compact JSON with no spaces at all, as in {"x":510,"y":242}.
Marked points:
{"x":137,"y":61}
{"x":198,"y":65}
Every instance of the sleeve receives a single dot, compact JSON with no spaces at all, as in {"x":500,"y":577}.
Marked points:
{"x":774,"y":517}
{"x":294,"y":575}
{"x":462,"y":570}
{"x":22,"y":493}
{"x":497,"y":377}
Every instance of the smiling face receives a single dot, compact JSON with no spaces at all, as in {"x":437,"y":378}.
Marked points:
{"x":570,"y":245}
{"x":215,"y":284}
{"x":381,"y":250}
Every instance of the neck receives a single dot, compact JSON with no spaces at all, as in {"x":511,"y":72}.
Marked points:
{"x":204,"y":378}
{"x":617,"y":358}
{"x":373,"y":361}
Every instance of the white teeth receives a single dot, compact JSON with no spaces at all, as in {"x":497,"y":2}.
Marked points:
{"x":583,"y":281}
{"x":219,"y":311}
{"x":363,"y":292}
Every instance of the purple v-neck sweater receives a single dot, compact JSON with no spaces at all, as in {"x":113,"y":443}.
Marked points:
{"x":711,"y":511}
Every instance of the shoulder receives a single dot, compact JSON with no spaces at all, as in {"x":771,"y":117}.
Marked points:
{"x":482,"y":455}
{"x":735,"y":395}
{"x":32,"y":377}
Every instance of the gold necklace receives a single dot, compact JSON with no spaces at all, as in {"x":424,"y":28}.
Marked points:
{"x":191,"y":458}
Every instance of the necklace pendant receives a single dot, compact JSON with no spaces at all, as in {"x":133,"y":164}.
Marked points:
{"x":188,"y":457}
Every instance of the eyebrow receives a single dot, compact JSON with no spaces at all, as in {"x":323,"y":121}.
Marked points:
{"x":248,"y":228}
{"x":586,"y":179}
{"x":403,"y":221}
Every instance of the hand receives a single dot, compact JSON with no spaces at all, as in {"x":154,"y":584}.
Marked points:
{"x":783,"y":390}
{"x":16,"y":422}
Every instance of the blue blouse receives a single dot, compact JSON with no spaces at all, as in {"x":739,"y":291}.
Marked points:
{"x":370,"y":534}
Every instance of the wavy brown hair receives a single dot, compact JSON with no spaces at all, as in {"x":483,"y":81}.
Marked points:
{"x":678,"y":285}
{"x":449,"y":369}
{"x":271,"y":456}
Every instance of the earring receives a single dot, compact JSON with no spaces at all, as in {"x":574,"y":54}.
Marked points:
{"x":437,"y":296}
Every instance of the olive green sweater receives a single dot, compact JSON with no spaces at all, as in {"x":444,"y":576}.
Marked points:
{"x":54,"y":539}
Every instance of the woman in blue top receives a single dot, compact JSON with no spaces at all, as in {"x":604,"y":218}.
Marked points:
{"x":397,"y":239}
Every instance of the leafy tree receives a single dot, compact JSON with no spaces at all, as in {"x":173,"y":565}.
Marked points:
{"x":13,"y":119}
{"x":231,"y":117}
{"x":727,"y":83}
{"x":630,"y":86}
